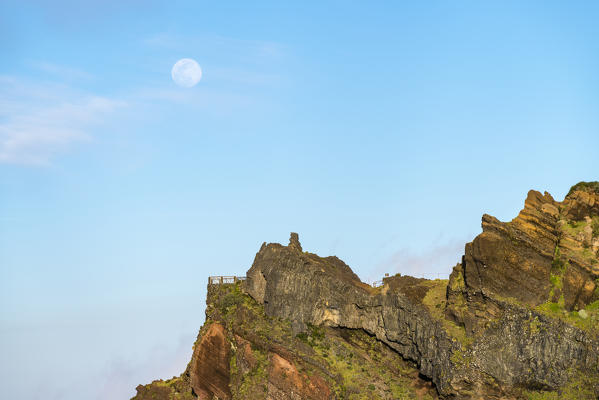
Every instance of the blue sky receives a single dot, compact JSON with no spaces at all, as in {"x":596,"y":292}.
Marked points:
{"x":380,"y":132}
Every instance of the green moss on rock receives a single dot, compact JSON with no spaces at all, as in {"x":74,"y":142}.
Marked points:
{"x":585,"y":187}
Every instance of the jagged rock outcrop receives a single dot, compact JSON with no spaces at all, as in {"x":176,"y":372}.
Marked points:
{"x":516,"y":259}
{"x":307,"y":289}
{"x":519,"y":314}
{"x":543,"y":256}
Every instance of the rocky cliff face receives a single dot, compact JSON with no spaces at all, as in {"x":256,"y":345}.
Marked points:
{"x":242,"y":353}
{"x":518,"y":318}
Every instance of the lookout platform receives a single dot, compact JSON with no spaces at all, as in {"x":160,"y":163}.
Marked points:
{"x":225,"y":280}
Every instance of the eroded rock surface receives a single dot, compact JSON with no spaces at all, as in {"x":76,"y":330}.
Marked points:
{"x":209,"y":369}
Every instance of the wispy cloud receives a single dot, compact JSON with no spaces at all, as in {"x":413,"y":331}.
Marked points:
{"x":39,"y":121}
{"x":62,"y":71}
{"x":121,"y":377}
{"x":435,"y":261}
{"x":172,"y":41}
{"x":232,"y":61}
{"x":239,"y":76}
{"x":215,"y":102}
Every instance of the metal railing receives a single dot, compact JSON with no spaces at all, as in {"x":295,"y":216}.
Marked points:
{"x":225,"y":280}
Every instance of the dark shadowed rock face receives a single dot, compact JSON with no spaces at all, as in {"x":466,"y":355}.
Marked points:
{"x":519,"y":314}
{"x":307,"y":289}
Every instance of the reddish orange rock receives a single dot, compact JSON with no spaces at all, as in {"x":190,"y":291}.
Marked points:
{"x":209,"y":370}
{"x":286,"y":382}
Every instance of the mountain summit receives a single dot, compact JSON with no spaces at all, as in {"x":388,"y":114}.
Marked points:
{"x":517,"y":319}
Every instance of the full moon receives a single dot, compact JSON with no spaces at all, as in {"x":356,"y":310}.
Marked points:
{"x":186,"y":72}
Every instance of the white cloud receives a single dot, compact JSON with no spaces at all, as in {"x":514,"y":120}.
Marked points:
{"x":220,"y":102}
{"x":37,"y":122}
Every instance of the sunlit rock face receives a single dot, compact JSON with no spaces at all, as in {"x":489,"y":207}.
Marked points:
{"x":519,"y":315}
{"x":547,"y":255}
{"x":517,"y":259}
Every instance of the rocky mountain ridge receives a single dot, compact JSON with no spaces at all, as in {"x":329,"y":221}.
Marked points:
{"x":518,"y":318}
